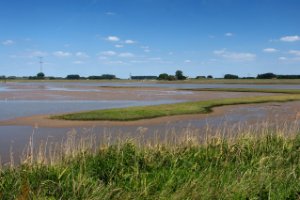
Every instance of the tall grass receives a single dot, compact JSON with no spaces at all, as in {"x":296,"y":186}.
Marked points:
{"x":257,"y":163}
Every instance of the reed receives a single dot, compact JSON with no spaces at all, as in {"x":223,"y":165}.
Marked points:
{"x":257,"y":162}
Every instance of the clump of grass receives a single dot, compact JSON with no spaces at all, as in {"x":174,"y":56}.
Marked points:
{"x":146,"y":112}
{"x":253,"y":165}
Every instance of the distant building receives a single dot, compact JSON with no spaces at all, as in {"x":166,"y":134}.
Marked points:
{"x":143,"y":77}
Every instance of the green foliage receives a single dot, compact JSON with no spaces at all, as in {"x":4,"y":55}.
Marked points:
{"x":163,"y":76}
{"x":73,"y":77}
{"x":265,"y":166}
{"x":40,"y":75}
{"x":266,"y":76}
{"x":179,"y":75}
{"x":230,"y":76}
{"x":146,"y":112}
{"x":103,"y":77}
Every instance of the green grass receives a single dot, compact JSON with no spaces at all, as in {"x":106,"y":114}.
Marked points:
{"x":247,"y":167}
{"x":146,"y":112}
{"x":259,"y":90}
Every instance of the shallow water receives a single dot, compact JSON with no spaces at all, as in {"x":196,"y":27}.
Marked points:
{"x":71,"y":86}
{"x":20,"y":108}
{"x":17,"y":137}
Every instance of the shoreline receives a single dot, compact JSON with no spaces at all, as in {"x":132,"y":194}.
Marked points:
{"x":45,"y":121}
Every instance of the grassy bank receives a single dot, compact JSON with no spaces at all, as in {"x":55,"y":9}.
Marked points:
{"x":146,"y":112}
{"x":265,"y":166}
{"x":260,"y":90}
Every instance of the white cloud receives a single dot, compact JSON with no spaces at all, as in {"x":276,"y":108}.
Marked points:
{"x":108,"y":53}
{"x":295,"y":52}
{"x":110,"y":13}
{"x":187,"y":61}
{"x":102,"y":58}
{"x":81,"y":55}
{"x":235,"y":56}
{"x":78,"y":62}
{"x":146,"y":49}
{"x":37,"y":54}
{"x":115,"y":62}
{"x":126,"y":55}
{"x":129,"y":42}
{"x":291,"y":38}
{"x":119,"y":46}
{"x":282,"y":58}
{"x":155,"y":59}
{"x":62,"y":54}
{"x":270,"y":50}
{"x":8,"y":42}
{"x":229,"y":34}
{"x":113,"y":38}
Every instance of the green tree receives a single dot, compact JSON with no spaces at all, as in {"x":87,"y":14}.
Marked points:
{"x":163,"y":76}
{"x":40,"y":75}
{"x":73,"y":76}
{"x":231,"y":76}
{"x":179,"y":75}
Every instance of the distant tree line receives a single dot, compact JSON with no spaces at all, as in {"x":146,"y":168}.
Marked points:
{"x":164,"y":76}
{"x":268,"y":75}
{"x":178,"y":76}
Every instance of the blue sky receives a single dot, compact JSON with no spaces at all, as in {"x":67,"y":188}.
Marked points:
{"x":149,"y":37}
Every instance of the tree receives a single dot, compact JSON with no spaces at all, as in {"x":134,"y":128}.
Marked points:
{"x":40,"y":75}
{"x":179,"y":75}
{"x":231,"y":76}
{"x":163,"y":76}
{"x":266,"y":76}
{"x":73,"y":76}
{"x":103,"y":76}
{"x":209,"y":76}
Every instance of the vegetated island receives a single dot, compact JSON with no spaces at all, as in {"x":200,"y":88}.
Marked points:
{"x":147,"y":112}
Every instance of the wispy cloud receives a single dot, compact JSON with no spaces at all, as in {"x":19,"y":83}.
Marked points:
{"x":146,"y":49}
{"x":62,"y":54}
{"x":126,"y":55}
{"x":235,"y":56}
{"x":108,"y":53}
{"x":37,"y":53}
{"x":112,"y":38}
{"x":119,"y":46}
{"x":282,"y":58}
{"x":291,"y":38}
{"x":228,"y":34}
{"x":295,"y":52}
{"x":110,"y":13}
{"x":81,"y":55}
{"x":78,"y":62}
{"x":270,"y":50}
{"x":129,"y":42}
{"x":115,"y":62}
{"x":8,"y":42}
{"x":187,"y":61}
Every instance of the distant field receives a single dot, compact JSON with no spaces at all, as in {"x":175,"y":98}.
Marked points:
{"x":192,"y":81}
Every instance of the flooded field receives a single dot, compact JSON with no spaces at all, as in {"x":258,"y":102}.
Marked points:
{"x":20,"y":103}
